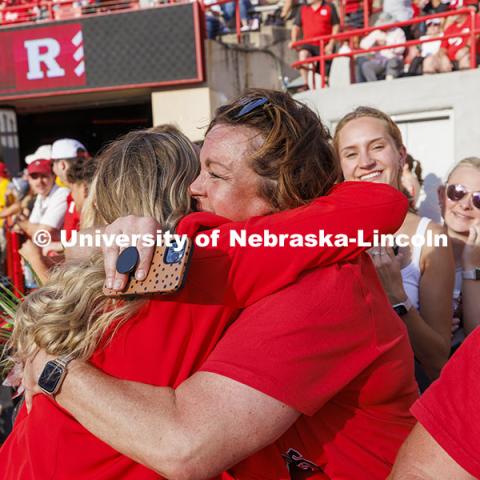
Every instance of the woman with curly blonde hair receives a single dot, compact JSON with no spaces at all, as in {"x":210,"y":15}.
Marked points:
{"x":145,"y":173}
{"x":70,"y":313}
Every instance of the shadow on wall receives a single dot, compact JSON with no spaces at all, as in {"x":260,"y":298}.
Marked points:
{"x":428,"y":205}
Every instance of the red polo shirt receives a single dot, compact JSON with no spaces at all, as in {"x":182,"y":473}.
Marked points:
{"x":71,"y":221}
{"x":454,"y":44}
{"x":170,"y":338}
{"x":331,"y":347}
{"x":352,"y":6}
{"x":317,"y":21}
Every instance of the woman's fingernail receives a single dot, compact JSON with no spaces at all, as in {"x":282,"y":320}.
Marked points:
{"x":140,"y":274}
{"x":109,"y":283}
{"x":118,"y":284}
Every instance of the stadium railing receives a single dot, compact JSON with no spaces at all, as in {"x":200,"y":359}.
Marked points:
{"x":48,"y":10}
{"x":62,"y":9}
{"x":350,"y":35}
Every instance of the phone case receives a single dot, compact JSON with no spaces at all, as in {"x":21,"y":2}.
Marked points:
{"x":162,"y":277}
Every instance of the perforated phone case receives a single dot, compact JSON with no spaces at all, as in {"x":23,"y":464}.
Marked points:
{"x":161,"y":278}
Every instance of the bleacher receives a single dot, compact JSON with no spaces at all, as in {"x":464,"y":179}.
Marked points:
{"x":356,"y":20}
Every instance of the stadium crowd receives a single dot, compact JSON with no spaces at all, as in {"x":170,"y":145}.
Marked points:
{"x":315,"y":18}
{"x":274,"y":362}
{"x":320,"y":18}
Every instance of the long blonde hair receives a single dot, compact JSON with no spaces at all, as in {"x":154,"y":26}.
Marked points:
{"x":473,"y":162}
{"x":145,"y":173}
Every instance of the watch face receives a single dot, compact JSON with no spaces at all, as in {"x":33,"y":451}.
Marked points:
{"x":51,"y":377}
{"x":400,"y":309}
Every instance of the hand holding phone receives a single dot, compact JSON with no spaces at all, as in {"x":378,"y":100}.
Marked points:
{"x":166,"y":275}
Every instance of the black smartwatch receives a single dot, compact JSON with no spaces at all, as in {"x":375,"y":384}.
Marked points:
{"x":53,"y":374}
{"x":473,"y":274}
{"x":403,"y":308}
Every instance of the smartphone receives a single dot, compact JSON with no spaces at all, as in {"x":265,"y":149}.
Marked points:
{"x":167,"y":273}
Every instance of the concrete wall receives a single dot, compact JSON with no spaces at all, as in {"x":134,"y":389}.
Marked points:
{"x":439,"y":116}
{"x":262,"y":61}
{"x":458,"y":91}
{"x":188,"y":108}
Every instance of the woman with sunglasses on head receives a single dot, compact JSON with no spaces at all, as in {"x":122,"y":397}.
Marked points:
{"x":419,"y":280}
{"x":460,"y":202}
{"x":126,"y":337}
{"x":322,"y":368}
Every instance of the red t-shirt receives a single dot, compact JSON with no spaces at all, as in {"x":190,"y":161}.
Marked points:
{"x":169,"y":339}
{"x":71,"y":221}
{"x":454,"y":44}
{"x":317,"y":22}
{"x":331,"y":347}
{"x":352,"y":6}
{"x":449,"y":409}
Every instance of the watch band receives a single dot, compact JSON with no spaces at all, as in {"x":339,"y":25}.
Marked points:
{"x":64,"y":360}
{"x":473,"y":274}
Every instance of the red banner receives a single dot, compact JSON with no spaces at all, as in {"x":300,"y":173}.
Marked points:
{"x":48,"y":57}
{"x":138,"y":48}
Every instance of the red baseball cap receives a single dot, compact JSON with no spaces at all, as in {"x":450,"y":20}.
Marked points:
{"x":3,"y":170}
{"x":40,"y":166}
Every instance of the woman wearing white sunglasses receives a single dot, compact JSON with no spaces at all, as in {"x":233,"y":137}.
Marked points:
{"x":460,"y":201}
{"x":444,"y":443}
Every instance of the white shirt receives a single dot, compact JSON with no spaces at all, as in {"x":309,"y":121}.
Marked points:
{"x":430,"y":48}
{"x":50,"y":210}
{"x":400,"y":10}
{"x":390,"y":37}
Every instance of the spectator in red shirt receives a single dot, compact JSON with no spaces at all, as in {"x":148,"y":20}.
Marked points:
{"x":354,"y":12}
{"x":444,"y":445}
{"x":315,"y":20}
{"x":455,"y":51}
{"x":329,"y":346}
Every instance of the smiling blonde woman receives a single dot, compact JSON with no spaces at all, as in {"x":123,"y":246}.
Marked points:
{"x":418,"y":281}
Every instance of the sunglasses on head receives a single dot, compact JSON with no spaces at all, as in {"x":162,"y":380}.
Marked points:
{"x":251,"y":105}
{"x":456,"y":192}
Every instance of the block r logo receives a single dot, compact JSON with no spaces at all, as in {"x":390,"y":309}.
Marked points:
{"x":43,"y":51}
{"x":49,"y":57}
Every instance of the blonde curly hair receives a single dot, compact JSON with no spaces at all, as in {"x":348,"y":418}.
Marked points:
{"x":144,"y":173}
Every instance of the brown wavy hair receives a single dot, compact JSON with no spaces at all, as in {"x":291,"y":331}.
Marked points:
{"x":295,"y":160}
